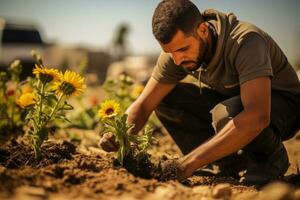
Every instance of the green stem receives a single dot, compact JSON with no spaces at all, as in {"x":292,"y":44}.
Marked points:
{"x":37,"y":153}
{"x":41,"y":101}
{"x":54,"y":109}
{"x":122,"y":133}
{"x":2,"y":94}
{"x":12,"y":115}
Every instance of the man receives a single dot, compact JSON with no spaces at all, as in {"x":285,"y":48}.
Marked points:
{"x":248,"y":95}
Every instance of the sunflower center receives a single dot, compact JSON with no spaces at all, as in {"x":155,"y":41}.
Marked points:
{"x":46,"y":78}
{"x":109,"y":111}
{"x":67,"y":88}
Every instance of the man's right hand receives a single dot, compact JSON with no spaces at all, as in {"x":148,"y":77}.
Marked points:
{"x":108,"y":142}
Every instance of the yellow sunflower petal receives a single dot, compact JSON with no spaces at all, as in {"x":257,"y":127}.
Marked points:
{"x":26,"y":89}
{"x":71,"y":83}
{"x":45,"y":74}
{"x":26,"y":99}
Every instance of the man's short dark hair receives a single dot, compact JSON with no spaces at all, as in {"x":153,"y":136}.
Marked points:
{"x":172,"y":15}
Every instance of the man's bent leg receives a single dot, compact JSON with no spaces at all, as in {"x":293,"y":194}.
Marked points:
{"x":185,"y":114}
{"x":266,"y":150}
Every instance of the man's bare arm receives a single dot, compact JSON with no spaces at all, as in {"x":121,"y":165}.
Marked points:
{"x":140,"y":110}
{"x":238,"y":132}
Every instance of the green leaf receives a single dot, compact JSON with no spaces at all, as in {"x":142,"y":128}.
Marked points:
{"x":62,"y":117}
{"x":110,"y":129}
{"x":124,"y":118}
{"x":66,"y":106}
{"x":51,"y":100}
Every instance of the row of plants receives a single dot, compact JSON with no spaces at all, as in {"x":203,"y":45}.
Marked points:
{"x":42,"y":101}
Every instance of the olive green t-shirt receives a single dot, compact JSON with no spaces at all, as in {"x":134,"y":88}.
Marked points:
{"x":243,"y":52}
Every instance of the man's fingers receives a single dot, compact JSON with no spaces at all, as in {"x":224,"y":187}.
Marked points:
{"x":107,"y":143}
{"x":171,"y":169}
{"x":111,"y":137}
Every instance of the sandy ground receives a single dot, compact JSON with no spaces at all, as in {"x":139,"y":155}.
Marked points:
{"x":84,"y":171}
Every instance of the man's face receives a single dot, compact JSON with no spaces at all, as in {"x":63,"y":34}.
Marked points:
{"x":186,"y":51}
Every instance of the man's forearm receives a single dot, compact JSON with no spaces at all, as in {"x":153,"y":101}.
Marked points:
{"x":237,"y":133}
{"x":137,"y":116}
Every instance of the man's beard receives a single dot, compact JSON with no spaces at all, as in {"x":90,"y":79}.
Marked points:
{"x":201,"y":56}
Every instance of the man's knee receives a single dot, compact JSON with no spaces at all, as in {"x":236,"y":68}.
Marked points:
{"x":223,"y":112}
{"x":220,"y":117}
{"x":165,"y":112}
{"x":173,"y":104}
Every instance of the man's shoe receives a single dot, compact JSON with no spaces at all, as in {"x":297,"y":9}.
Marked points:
{"x":263,"y":171}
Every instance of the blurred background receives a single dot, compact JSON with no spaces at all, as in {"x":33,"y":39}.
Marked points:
{"x":115,"y":36}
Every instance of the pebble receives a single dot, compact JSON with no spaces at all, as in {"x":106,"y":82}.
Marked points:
{"x":2,"y":169}
{"x":162,"y":192}
{"x":276,"y":191}
{"x":297,"y":194}
{"x":29,"y":192}
{"x":202,"y":190}
{"x":222,"y":190}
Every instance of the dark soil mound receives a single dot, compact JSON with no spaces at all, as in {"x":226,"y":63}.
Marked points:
{"x":18,"y":153}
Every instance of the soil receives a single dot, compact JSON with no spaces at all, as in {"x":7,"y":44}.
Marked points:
{"x":81,"y":170}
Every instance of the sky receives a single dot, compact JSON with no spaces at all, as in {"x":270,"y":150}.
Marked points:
{"x":92,"y":22}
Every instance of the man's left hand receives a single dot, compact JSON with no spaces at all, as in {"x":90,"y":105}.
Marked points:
{"x":174,"y":169}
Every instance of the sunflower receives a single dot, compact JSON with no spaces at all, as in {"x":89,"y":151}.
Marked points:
{"x":137,"y":90}
{"x":109,"y":108}
{"x":26,"y":99}
{"x":71,"y":83}
{"x":26,"y":88}
{"x":46,"y":75}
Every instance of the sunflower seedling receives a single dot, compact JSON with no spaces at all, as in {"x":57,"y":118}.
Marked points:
{"x":132,"y":146}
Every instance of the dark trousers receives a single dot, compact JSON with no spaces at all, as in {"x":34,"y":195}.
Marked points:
{"x":191,"y":118}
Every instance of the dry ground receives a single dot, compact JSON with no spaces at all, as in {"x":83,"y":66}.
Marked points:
{"x":83,"y":171}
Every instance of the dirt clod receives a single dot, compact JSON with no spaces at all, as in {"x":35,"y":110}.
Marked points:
{"x":277,"y":191}
{"x":222,"y":190}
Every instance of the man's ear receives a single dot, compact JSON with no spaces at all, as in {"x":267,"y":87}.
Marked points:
{"x":202,"y":30}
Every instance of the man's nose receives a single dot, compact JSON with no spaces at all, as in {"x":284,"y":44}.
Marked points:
{"x":177,"y":58}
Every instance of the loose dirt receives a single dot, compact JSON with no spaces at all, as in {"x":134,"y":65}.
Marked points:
{"x":81,"y":170}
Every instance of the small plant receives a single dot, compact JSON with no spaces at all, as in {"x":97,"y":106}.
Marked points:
{"x":129,"y":145}
{"x":47,"y":102}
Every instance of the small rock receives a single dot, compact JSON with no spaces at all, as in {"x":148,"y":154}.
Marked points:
{"x":222,"y":190}
{"x":123,"y":170}
{"x":202,"y":190}
{"x":246,"y":195}
{"x":163,"y":192}
{"x":276,"y":191}
{"x":2,"y":169}
{"x":297,"y":194}
{"x":28,"y":192}
{"x":206,"y":198}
